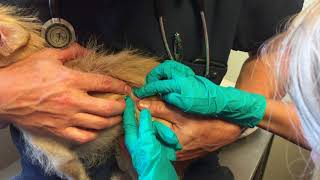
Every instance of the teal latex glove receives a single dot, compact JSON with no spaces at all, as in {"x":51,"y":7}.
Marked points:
{"x":152,"y":146}
{"x":178,"y":85}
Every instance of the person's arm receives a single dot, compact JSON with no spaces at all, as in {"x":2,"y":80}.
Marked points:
{"x":260,"y":20}
{"x":43,"y":96}
{"x":257,"y":76}
{"x":282,"y":119}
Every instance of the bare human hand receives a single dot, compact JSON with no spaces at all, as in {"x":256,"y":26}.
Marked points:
{"x":198,"y":135}
{"x":41,"y":95}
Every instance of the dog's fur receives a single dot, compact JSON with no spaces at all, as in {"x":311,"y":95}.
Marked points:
{"x":19,"y":38}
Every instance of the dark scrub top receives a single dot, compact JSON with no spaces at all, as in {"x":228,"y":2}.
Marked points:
{"x":232,"y":24}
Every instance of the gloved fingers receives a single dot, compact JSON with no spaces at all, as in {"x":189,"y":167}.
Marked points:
{"x":146,"y":128}
{"x":130,"y":124}
{"x":167,"y":135}
{"x":167,"y":70}
{"x":170,"y":152}
{"x":158,"y":87}
{"x":129,"y":119}
{"x":169,"y":140}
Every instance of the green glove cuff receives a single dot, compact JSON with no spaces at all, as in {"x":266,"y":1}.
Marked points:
{"x":250,"y":108}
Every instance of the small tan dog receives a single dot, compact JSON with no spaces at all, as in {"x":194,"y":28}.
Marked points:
{"x":19,"y":38}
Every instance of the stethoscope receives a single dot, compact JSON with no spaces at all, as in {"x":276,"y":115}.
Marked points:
{"x":59,"y":33}
{"x":159,"y":4}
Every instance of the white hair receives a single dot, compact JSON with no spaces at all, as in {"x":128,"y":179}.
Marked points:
{"x":298,"y":71}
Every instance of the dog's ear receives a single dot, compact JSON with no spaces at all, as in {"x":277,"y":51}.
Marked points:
{"x":12,"y":37}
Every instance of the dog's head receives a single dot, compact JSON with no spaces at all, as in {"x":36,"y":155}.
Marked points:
{"x":19,"y":35}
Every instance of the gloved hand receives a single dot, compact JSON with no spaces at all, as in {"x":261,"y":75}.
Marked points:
{"x":178,"y":85}
{"x":152,"y":146}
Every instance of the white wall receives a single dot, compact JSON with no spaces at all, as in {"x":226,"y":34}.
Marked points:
{"x":308,"y":2}
{"x":236,"y":60}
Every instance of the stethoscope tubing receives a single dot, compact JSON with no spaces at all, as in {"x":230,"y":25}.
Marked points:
{"x":160,"y":11}
{"x":207,"y":43}
{"x":54,"y":8}
{"x":164,"y":37}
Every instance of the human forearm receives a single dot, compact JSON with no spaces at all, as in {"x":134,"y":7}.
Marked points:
{"x":280,"y":118}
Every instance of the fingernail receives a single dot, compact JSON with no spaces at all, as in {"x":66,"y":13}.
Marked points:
{"x":127,"y":89}
{"x":144,"y":104}
{"x":179,"y":146}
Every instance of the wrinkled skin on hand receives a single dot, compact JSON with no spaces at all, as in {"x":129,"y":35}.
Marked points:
{"x":198,"y":135}
{"x":41,"y":95}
